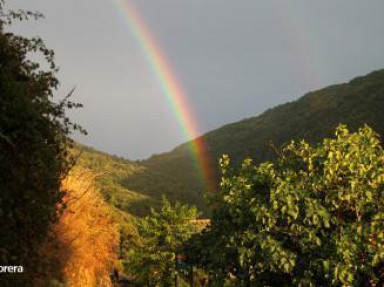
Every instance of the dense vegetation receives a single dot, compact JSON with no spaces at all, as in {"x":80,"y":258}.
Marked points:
{"x":33,"y":146}
{"x":150,"y":256}
{"x":309,"y":216}
{"x":313,"y":218}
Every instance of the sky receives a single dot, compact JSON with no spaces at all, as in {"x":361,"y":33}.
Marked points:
{"x":232,"y":59}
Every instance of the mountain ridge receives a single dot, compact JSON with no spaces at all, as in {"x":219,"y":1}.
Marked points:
{"x":312,"y":117}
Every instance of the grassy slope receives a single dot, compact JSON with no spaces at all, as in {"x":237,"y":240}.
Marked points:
{"x":111,"y":173}
{"x":135,"y":186}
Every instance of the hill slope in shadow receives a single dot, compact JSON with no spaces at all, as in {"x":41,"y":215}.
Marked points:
{"x":312,"y":117}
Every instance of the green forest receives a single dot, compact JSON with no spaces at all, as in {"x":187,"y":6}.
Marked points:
{"x":298,"y":200}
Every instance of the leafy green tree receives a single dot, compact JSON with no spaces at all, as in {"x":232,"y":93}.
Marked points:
{"x":314,"y":218}
{"x":33,"y":145}
{"x":161,"y":234}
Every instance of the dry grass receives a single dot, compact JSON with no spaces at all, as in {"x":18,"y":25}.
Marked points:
{"x":82,"y":248}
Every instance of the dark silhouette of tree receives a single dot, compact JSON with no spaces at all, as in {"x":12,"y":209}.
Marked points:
{"x":34,"y":140}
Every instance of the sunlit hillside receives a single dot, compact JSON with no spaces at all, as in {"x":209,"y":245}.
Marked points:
{"x":111,"y":173}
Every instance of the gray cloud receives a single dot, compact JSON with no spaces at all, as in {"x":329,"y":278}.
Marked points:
{"x":233,"y":58}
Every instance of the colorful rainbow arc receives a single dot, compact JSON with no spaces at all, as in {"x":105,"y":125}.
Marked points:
{"x":171,"y":89}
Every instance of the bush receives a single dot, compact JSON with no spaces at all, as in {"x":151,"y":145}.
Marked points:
{"x":151,"y":256}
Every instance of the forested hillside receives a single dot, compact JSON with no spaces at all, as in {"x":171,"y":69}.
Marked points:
{"x":313,"y":116}
{"x":135,"y":186}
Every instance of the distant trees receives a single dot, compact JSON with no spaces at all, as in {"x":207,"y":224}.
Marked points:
{"x":313,"y":218}
{"x":151,"y":257}
{"x":33,"y":145}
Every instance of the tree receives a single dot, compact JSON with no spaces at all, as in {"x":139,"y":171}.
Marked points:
{"x":313,"y":218}
{"x":161,"y":234}
{"x":34,"y":139}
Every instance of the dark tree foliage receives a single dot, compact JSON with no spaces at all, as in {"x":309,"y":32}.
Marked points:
{"x":33,"y":145}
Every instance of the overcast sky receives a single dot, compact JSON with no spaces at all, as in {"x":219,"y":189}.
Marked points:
{"x":234,"y":59}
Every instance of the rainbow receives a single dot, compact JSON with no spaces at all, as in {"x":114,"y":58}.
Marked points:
{"x":171,"y":89}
